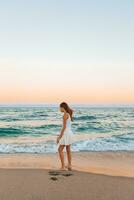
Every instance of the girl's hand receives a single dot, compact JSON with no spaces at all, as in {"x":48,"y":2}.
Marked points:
{"x":58,"y":139}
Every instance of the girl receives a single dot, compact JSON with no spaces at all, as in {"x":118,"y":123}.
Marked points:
{"x":65,"y":137}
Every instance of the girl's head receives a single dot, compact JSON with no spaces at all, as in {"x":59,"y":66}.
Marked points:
{"x":65,"y":108}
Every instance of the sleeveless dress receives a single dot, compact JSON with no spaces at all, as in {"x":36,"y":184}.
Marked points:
{"x":67,"y":137}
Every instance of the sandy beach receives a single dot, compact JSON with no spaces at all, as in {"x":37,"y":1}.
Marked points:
{"x":95,"y":176}
{"x":36,"y":184}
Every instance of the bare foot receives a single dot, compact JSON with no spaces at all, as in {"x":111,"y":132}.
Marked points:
{"x":62,"y":169}
{"x":69,"y":168}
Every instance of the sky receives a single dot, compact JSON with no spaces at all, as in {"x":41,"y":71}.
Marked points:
{"x":79,"y":51}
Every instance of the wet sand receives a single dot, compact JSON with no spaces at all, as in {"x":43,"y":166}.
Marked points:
{"x":109,"y":163}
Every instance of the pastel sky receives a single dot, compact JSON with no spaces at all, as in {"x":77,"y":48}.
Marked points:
{"x":79,"y":51}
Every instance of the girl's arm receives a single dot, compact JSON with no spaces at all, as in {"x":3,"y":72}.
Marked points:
{"x":65,"y":117}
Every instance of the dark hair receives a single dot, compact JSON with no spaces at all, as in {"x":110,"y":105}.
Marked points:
{"x":67,"y":109}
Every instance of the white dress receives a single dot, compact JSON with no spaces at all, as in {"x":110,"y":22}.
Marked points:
{"x":67,"y":137}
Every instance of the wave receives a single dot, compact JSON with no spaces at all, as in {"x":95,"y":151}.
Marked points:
{"x":126,"y":137}
{"x":91,"y":126}
{"x":29,"y":148}
{"x":48,"y":126}
{"x":9,"y":119}
{"x":85,"y":117}
{"x":30,"y":129}
{"x":11,"y":132}
{"x":32,"y":116}
{"x":92,"y":142}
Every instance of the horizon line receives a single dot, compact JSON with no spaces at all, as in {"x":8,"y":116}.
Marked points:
{"x":73,"y":104}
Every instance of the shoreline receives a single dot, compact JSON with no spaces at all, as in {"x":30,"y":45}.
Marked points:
{"x":119,"y":163}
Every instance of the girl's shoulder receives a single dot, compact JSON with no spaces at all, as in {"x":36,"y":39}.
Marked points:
{"x":66,"y":116}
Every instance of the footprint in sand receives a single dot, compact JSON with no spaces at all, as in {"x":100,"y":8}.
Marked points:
{"x":67,"y":174}
{"x":54,"y":178}
{"x":58,"y":173}
{"x":54,"y":173}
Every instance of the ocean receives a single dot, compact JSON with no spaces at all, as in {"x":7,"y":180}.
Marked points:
{"x":33,"y":129}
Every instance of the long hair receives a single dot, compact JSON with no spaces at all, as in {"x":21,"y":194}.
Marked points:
{"x":67,"y":109}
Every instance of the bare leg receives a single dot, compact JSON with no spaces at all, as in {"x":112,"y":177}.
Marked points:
{"x":68,"y":149}
{"x":61,"y":154}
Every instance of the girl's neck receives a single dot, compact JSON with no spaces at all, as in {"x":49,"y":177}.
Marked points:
{"x":65,"y":112}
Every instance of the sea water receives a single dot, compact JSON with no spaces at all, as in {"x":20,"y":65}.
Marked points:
{"x":33,"y":129}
